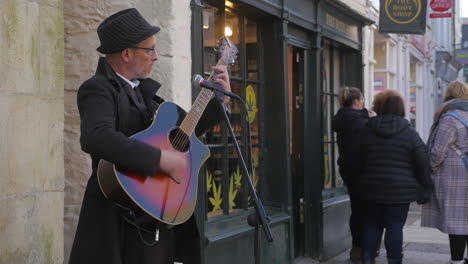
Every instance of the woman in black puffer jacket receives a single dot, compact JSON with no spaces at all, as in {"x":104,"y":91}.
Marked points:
{"x":394,"y":172}
{"x":347,"y":122}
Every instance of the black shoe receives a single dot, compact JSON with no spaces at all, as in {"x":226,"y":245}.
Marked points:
{"x":355,"y":255}
{"x":394,"y":261}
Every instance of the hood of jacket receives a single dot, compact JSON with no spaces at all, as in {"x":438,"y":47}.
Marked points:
{"x":346,"y":118}
{"x":387,"y":125}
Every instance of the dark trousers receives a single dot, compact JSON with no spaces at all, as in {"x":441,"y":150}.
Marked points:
{"x":457,"y":246}
{"x":356,"y":219}
{"x":392,"y":218}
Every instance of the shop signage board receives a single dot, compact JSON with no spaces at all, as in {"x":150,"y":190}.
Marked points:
{"x":350,"y":30}
{"x":403,"y":16}
{"x":462,"y":56}
{"x":439,"y":8}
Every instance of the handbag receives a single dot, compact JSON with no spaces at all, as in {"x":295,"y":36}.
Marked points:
{"x":463,"y":156}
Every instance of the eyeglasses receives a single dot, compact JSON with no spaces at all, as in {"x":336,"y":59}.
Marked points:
{"x":153,"y":50}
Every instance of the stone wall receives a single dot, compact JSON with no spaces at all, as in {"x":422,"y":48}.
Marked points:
{"x":173,"y":70}
{"x":31,"y":131}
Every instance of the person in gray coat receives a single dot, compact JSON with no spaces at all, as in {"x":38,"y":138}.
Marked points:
{"x":447,"y":207}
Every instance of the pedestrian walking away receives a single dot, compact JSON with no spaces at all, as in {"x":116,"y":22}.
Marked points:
{"x":448,"y":147}
{"x":347,"y":122}
{"x":394,"y":171}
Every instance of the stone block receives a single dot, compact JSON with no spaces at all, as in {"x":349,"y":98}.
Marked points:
{"x":32,"y":228}
{"x":51,"y":51}
{"x":52,"y":3}
{"x":33,"y":151}
{"x":19,"y":45}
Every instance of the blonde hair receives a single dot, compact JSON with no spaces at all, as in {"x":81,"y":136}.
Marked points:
{"x":389,"y":102}
{"x":456,"y":90}
{"x":347,"y":95}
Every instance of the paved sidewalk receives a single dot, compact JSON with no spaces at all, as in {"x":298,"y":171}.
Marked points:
{"x":420,"y":245}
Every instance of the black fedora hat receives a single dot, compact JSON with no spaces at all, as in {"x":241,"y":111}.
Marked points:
{"x":122,"y":30}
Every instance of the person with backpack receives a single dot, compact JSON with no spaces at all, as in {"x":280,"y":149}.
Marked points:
{"x":448,"y":150}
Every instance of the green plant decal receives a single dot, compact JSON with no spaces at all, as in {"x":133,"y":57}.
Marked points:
{"x":250,"y":104}
{"x":209,"y":178}
{"x":255,"y":159}
{"x":232,"y":192}
{"x":327,"y":169}
{"x":216,"y":200}
{"x":237,"y":178}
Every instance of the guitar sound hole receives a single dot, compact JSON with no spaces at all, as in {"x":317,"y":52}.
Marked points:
{"x":179,"y":140}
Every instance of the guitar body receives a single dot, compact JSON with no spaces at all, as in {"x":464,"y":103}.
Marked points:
{"x":158,"y":195}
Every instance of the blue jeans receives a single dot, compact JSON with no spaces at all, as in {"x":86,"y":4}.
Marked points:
{"x":392,"y":218}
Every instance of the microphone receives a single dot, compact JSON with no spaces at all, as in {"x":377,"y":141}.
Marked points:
{"x":198,"y":81}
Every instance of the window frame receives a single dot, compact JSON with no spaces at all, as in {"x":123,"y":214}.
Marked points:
{"x":228,"y":147}
{"x":346,"y":57}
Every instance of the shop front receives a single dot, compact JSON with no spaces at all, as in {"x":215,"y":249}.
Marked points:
{"x":341,"y":65}
{"x":293,"y":57}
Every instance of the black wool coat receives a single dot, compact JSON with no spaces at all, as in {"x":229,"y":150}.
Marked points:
{"x":347,"y":123}
{"x":394,"y":163}
{"x":109,"y":116}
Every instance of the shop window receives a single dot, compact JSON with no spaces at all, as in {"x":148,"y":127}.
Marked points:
{"x":331,"y":66}
{"x":338,"y":70}
{"x":227,"y":190}
{"x":416,"y":84}
{"x":386,"y":66}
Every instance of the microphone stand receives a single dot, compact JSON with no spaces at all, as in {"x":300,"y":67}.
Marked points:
{"x":259,"y":217}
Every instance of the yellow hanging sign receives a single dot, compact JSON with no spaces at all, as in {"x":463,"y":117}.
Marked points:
{"x":251,"y":102}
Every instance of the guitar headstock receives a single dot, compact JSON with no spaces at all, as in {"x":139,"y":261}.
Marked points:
{"x":227,"y":50}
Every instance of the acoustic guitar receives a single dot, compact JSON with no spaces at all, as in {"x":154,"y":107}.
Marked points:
{"x":160,"y":196}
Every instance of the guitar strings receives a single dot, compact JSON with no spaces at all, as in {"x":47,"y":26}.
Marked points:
{"x":181,"y":138}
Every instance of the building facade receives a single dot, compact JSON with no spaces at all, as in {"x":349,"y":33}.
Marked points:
{"x":293,"y":57}
{"x":447,"y":35}
{"x":406,"y":63}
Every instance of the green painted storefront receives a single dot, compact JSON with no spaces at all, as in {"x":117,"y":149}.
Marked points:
{"x":293,"y":55}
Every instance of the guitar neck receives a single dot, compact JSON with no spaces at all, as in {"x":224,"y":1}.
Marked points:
{"x":193,"y":116}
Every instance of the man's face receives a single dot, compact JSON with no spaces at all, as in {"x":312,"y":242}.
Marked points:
{"x":143,"y":55}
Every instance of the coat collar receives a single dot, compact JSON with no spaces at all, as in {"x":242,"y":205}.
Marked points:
{"x":148,"y":86}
